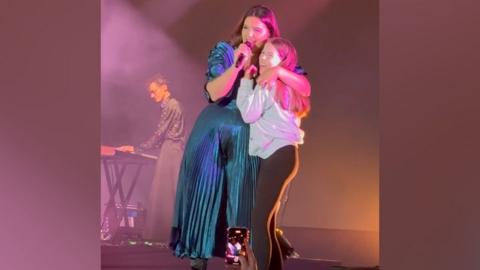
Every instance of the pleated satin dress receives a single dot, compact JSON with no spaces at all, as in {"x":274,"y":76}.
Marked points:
{"x":217,"y":179}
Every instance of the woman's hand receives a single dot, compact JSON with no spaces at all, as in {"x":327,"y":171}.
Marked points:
{"x":268,"y":77}
{"x":249,"y":262}
{"x":126,"y":148}
{"x":247,"y":53}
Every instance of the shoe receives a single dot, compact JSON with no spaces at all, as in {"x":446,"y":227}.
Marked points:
{"x":285,"y":246}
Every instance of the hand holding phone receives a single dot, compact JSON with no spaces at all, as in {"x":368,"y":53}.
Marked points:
{"x":237,"y":238}
{"x":248,"y":262}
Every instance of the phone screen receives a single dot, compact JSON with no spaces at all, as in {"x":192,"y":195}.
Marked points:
{"x":236,"y":244}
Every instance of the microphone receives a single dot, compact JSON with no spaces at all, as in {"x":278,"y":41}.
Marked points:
{"x":241,"y":56}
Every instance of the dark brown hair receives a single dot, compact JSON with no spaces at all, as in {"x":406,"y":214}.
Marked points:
{"x":265,"y":14}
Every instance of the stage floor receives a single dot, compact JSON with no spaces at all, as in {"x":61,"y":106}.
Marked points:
{"x":161,"y":258}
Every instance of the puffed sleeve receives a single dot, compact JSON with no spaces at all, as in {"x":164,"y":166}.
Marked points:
{"x":220,"y":59}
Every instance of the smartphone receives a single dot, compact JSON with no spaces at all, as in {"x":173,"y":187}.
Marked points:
{"x":236,"y":239}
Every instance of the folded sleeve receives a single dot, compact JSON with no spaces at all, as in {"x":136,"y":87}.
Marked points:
{"x":251,"y":102}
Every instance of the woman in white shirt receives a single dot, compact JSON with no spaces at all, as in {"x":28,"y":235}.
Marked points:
{"x":274,"y":114}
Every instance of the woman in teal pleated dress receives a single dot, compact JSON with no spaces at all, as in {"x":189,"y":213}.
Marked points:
{"x":217,"y":179}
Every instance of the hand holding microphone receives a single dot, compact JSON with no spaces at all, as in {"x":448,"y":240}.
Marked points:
{"x":243,"y":52}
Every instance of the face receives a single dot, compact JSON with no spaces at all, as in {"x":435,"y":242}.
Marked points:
{"x":269,"y":57}
{"x":158,"y":91}
{"x":255,"y":31}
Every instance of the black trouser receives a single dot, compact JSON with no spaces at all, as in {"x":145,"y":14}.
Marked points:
{"x":275,"y":173}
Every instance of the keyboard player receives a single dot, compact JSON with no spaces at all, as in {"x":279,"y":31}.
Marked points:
{"x":169,"y":138}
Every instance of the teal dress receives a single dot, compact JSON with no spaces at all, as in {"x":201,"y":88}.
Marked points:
{"x":217,"y":177}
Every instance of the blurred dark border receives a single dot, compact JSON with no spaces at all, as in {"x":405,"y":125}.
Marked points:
{"x":49,"y":116}
{"x":429,"y":134}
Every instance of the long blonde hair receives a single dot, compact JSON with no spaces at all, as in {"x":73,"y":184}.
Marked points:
{"x":288,"y":98}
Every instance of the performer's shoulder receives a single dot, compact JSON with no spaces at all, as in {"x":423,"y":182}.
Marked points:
{"x":173,"y":104}
{"x":223,"y":44}
{"x":222,"y":47}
